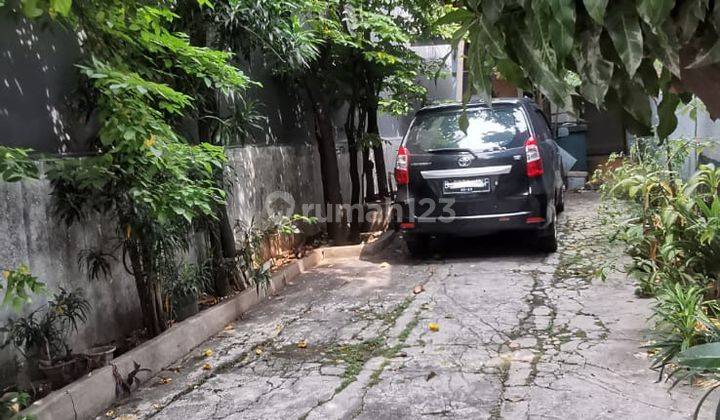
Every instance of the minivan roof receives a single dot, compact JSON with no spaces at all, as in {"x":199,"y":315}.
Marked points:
{"x":450,"y":106}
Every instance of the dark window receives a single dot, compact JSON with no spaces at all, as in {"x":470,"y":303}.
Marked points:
{"x":489,"y":129}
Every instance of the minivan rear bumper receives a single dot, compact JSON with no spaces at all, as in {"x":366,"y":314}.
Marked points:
{"x":474,"y":225}
{"x":531,"y":215}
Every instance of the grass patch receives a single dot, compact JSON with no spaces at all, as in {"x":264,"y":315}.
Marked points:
{"x":354,"y":356}
{"x":375,"y":377}
{"x":391,"y":317}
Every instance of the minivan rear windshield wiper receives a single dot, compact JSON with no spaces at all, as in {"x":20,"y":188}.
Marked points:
{"x":451,"y":150}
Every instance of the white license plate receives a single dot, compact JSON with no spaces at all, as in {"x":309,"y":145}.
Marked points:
{"x":466,"y":186}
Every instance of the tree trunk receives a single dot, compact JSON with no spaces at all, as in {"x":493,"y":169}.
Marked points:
{"x":325,"y":137}
{"x":221,"y":236}
{"x":378,"y":152}
{"x":147,"y":286}
{"x":369,"y":171}
{"x":351,"y":132}
{"x":221,"y":240}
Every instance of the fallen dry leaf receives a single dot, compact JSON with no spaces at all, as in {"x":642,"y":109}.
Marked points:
{"x":434,"y":327}
{"x":418,"y":289}
{"x":229,"y":327}
{"x":110,"y":413}
{"x":302,"y":344}
{"x":258,"y":351}
{"x":165,"y":381}
{"x":15,"y":408}
{"x":207,"y":353}
{"x":207,"y":366}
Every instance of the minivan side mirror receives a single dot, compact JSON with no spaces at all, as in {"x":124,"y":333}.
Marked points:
{"x":563,"y":132}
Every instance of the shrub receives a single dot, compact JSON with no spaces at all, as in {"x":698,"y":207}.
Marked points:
{"x":669,"y":230}
{"x":46,"y":328}
{"x":683,"y":320}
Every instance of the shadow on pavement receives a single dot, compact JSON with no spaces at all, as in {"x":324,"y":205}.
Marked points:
{"x":505,"y":244}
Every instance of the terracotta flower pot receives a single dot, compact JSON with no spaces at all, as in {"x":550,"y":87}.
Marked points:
{"x":60,"y":373}
{"x":100,"y":356}
{"x":185,"y":306}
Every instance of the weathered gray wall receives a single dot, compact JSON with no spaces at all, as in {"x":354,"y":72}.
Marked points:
{"x":33,"y":236}
{"x":38,"y":86}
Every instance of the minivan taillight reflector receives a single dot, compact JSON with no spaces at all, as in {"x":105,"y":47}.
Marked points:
{"x":402,"y":175}
{"x":534,"y":161}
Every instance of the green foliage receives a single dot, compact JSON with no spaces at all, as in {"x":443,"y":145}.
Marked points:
{"x":188,"y":280}
{"x":20,"y":284}
{"x":282,"y":28}
{"x":665,"y":218}
{"x":252,"y":237}
{"x":700,"y":359}
{"x":341,"y":42}
{"x":15,"y":164}
{"x":46,"y":328}
{"x":240,"y":124}
{"x":13,"y":402}
{"x":670,"y":232}
{"x":144,"y":78}
{"x":97,"y":263}
{"x":702,"y":356}
{"x":623,"y":51}
{"x":683,"y":320}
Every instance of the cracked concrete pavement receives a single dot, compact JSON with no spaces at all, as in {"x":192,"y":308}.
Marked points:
{"x":521,"y":335}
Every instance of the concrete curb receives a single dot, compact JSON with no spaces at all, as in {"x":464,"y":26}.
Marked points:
{"x":86,"y":397}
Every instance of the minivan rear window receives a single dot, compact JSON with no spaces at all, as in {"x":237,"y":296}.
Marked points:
{"x":490,"y":129}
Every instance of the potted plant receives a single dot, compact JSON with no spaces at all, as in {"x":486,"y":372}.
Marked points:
{"x":44,"y":333}
{"x":184,"y":290}
{"x":99,"y":356}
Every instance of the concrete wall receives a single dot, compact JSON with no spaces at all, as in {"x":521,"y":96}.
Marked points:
{"x":33,"y":236}
{"x":260,"y":171}
{"x":39,"y":98}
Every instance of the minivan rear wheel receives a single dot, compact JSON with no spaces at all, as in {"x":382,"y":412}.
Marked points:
{"x":547,"y":238}
{"x":418,"y":245}
{"x":560,"y":206}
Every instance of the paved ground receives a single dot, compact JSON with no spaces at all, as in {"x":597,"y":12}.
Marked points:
{"x":521,"y":335}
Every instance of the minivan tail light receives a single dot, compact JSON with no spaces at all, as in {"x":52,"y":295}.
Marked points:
{"x":534,"y":161}
{"x":402,"y":175}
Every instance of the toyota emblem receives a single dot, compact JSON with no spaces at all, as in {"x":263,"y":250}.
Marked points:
{"x":464,"y":161}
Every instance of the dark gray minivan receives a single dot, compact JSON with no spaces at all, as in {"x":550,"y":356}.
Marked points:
{"x":504,"y":173}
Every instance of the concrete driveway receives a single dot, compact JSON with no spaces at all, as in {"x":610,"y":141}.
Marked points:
{"x":520,"y":335}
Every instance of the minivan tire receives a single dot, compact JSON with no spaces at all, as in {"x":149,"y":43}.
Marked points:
{"x":560,"y":206}
{"x":547,"y":238}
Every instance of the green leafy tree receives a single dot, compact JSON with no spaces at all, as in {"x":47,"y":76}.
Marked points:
{"x":385,"y":70}
{"x":292,"y":36}
{"x":16,"y":164}
{"x":145,"y":172}
{"x":19,"y":286}
{"x":622,"y":51}
{"x":337,"y":51}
